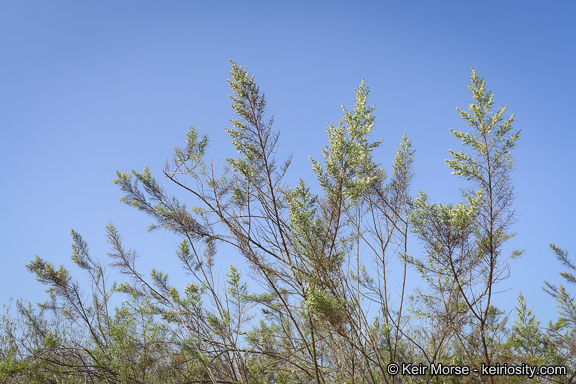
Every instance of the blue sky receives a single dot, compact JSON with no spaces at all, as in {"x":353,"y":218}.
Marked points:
{"x":88,"y":88}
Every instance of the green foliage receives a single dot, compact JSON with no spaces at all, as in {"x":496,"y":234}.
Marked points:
{"x":527,"y":339}
{"x":348,"y":157}
{"x":491,"y":138}
{"x":463,"y":243}
{"x":323,"y":298}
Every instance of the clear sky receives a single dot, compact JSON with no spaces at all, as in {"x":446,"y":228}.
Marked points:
{"x":88,"y":88}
